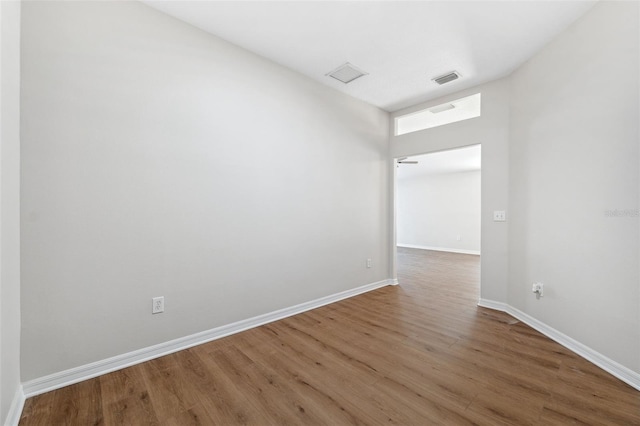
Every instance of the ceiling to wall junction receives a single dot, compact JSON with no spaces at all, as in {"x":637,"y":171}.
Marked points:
{"x":402,"y":45}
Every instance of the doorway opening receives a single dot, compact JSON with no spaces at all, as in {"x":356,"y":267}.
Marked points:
{"x":437,"y":199}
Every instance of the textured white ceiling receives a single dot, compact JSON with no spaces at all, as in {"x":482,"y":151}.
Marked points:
{"x":451,"y":161}
{"x":401,"y":44}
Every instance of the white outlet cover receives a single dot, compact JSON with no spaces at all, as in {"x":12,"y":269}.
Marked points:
{"x":157,"y":305}
{"x":538,"y":288}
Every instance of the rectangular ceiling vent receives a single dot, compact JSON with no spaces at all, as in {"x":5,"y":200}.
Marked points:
{"x":441,"y":108}
{"x":346,"y":73}
{"x":447,"y":77}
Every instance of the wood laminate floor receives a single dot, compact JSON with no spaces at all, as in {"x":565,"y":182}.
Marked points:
{"x":421,"y":353}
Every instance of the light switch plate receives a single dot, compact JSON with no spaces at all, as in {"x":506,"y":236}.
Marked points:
{"x":499,"y":216}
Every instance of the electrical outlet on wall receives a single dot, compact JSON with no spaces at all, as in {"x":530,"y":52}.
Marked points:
{"x":368,"y":263}
{"x":157,"y":305}
{"x":538,"y":289}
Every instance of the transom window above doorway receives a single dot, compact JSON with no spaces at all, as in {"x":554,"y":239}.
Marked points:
{"x":439,"y":115}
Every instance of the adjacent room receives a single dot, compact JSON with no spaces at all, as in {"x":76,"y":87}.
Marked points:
{"x":228,"y":213}
{"x":438,"y":216}
{"x":438,"y":201}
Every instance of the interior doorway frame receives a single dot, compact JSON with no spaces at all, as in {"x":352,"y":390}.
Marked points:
{"x":393,"y":262}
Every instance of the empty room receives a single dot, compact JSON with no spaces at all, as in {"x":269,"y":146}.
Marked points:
{"x":201,"y":224}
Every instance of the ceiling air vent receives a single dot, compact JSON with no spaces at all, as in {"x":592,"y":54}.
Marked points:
{"x":447,"y":77}
{"x":346,"y":73}
{"x":441,"y":108}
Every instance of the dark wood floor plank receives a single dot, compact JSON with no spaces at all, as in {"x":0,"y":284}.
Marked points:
{"x":337,"y":385}
{"x":242,"y":408}
{"x":302,"y":373}
{"x":37,"y":409}
{"x":194,"y":416}
{"x":122,"y":384}
{"x":415,"y":354}
{"x":134,"y":410}
{"x":166,"y":388}
{"x":204,"y":389}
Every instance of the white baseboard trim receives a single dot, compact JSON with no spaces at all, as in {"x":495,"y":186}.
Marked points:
{"x":450,"y":250}
{"x":623,"y":373}
{"x":394,"y":281}
{"x":15,"y":410}
{"x":492,"y":304}
{"x":98,"y":368}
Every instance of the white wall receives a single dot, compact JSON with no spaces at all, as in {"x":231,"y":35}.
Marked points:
{"x":574,"y":156}
{"x":492,"y":131}
{"x":161,"y":161}
{"x":433,"y":210}
{"x":10,"y":389}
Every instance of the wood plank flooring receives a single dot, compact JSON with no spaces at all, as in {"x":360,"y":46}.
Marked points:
{"x":421,"y":353}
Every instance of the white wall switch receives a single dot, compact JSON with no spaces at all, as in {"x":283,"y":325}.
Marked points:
{"x":368,"y":263}
{"x":157,"y":305}
{"x":499,"y":216}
